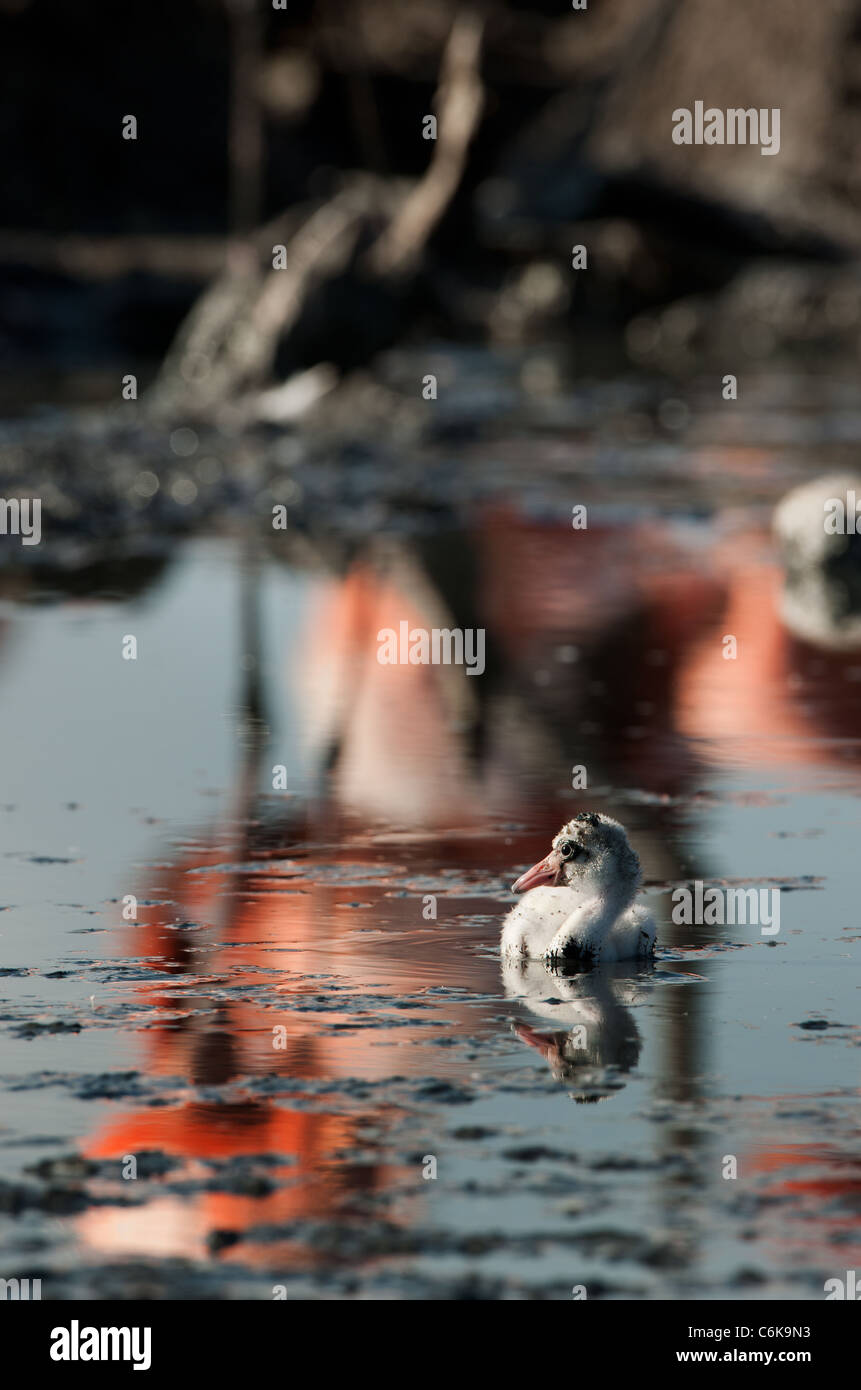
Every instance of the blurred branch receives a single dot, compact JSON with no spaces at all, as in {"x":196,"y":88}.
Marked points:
{"x":358,"y":76}
{"x":104,"y":258}
{"x":461,"y":99}
{"x":246,"y":117}
{"x":228,"y":342}
{"x":109,"y":257}
{"x":229,"y":339}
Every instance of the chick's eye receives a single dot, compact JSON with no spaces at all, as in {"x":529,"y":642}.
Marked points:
{"x":569,"y":849}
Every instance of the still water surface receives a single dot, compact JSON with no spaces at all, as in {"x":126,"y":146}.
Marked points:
{"x":285,"y":1035}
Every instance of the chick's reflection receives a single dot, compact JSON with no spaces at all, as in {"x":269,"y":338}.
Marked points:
{"x":600,"y":1042}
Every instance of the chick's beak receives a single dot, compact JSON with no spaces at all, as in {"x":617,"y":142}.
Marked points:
{"x":545,"y":871}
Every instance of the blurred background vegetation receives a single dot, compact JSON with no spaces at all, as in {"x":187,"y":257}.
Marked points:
{"x":554,"y":129}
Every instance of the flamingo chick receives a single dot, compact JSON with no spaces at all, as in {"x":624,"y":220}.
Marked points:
{"x":580,"y":900}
